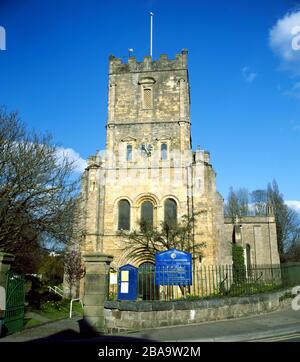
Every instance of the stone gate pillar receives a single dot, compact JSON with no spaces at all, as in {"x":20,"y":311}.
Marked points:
{"x":5,"y":263}
{"x":95,"y":288}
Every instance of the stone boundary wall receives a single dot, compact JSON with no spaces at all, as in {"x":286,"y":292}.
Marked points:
{"x":121,"y":316}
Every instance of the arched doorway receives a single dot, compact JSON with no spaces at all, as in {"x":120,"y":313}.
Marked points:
{"x":147,"y":288}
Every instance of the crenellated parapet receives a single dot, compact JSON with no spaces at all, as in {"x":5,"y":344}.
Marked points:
{"x":94,"y":161}
{"x":117,"y":66}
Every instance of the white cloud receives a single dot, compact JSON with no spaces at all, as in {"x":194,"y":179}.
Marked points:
{"x":248,"y":75}
{"x":73,"y":156}
{"x":293,"y":204}
{"x":285,"y":41}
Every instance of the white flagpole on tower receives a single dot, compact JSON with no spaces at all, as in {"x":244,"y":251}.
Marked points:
{"x":151,"y":30}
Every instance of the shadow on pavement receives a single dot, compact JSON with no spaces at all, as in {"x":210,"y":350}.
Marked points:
{"x":87,"y":334}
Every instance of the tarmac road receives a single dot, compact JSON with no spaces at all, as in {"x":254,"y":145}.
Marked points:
{"x":260,"y":327}
{"x":278,"y":326}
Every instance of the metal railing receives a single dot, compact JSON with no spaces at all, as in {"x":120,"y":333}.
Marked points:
{"x":71,"y":305}
{"x":216,"y":281}
{"x":56,"y":290}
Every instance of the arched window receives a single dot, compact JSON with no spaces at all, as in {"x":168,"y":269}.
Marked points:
{"x":123,"y":215}
{"x":129,"y":153}
{"x":164,"y":151}
{"x":147,"y":214}
{"x":170,"y":212}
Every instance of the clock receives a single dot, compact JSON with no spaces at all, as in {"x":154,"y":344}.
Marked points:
{"x":146,"y":149}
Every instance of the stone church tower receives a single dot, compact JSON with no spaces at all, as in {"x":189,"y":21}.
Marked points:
{"x":148,"y":170}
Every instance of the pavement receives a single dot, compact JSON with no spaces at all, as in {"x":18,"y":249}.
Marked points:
{"x":276,"y":325}
{"x":37,"y":317}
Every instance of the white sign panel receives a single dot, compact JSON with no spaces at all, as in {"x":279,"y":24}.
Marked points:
{"x":113,"y":278}
{"x":124,"y":287}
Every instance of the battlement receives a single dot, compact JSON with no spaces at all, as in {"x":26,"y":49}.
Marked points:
{"x":148,"y":65}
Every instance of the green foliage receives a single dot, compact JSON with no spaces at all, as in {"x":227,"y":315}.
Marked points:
{"x":286,"y":295}
{"x":242,"y":289}
{"x":30,"y":322}
{"x":238,"y":259}
{"x":51,"y":305}
{"x":271,"y":202}
{"x":59,"y":309}
{"x":52,"y":269}
{"x":238,"y":263}
{"x":37,"y":293}
{"x":236,"y":290}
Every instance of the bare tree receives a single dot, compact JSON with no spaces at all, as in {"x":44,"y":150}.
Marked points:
{"x":243,"y":201}
{"x":147,"y":241}
{"x":73,"y":269}
{"x":259,"y":199}
{"x":292,"y":253}
{"x":237,"y":203}
{"x":287,"y":220}
{"x":38,"y":192}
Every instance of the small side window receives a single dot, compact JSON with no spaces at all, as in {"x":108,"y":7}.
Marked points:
{"x":129,"y":153}
{"x":164,"y":151}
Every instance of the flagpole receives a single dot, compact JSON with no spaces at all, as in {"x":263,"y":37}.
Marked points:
{"x":151,"y":30}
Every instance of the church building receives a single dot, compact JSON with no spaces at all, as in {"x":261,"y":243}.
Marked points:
{"x":149,"y":170}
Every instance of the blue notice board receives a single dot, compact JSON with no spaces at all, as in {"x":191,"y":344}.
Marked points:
{"x":127,"y":282}
{"x":173,"y":267}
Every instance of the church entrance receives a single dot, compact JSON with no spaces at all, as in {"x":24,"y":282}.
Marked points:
{"x":147,"y":288}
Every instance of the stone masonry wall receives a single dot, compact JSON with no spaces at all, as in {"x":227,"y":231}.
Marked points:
{"x":260,"y":234}
{"x":132,"y":316}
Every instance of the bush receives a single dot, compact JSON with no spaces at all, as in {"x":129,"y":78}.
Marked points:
{"x":243,"y":289}
{"x":286,"y":295}
{"x":238,"y":263}
{"x":50,"y":305}
{"x":37,"y":293}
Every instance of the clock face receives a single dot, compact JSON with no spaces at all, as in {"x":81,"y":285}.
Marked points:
{"x":146,"y":149}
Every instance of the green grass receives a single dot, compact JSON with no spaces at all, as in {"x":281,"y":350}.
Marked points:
{"x":29,"y":322}
{"x":54,"y":310}
{"x":61,"y":309}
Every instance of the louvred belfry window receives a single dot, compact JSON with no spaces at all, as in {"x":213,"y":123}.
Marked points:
{"x":147,"y":98}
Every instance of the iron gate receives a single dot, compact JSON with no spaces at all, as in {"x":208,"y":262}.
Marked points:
{"x":15,"y":298}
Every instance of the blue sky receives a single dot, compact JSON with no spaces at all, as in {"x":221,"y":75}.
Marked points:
{"x":245,"y":77}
